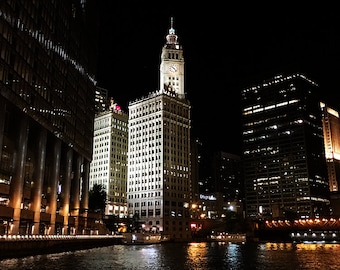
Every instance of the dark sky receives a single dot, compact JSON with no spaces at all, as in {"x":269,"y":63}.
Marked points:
{"x":226,"y":47}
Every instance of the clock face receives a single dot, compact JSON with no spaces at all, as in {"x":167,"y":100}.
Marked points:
{"x":173,"y":68}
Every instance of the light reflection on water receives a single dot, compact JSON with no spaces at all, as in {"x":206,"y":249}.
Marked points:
{"x":182,"y":256}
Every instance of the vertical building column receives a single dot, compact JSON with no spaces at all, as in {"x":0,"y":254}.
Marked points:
{"x":75,"y":188}
{"x":38,"y":178}
{"x":2,"y":124}
{"x":85,"y":192}
{"x":17,"y":183}
{"x":66,"y":190}
{"x":53,"y":185}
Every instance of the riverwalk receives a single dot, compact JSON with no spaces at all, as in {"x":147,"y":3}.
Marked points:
{"x":13,"y":246}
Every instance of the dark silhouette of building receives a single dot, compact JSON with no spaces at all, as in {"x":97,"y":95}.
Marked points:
{"x":47,"y":90}
{"x":227,"y":175}
{"x":102,"y":101}
{"x":283,"y":149}
{"x":196,"y":156}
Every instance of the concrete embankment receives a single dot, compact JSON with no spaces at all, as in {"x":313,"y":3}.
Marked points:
{"x":27,"y":246}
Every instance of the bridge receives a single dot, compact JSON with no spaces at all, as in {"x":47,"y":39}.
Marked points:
{"x":324,"y":229}
{"x":302,"y":224}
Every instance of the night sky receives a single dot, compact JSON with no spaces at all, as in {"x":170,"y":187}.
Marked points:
{"x":226,"y":47}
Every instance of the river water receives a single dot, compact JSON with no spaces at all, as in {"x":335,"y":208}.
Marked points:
{"x":188,"y":256}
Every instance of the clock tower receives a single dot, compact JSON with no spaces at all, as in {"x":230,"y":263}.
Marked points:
{"x":172,"y":64}
{"x":159,"y":177}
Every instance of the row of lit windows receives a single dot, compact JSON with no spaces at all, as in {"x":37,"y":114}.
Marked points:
{"x":136,"y":161}
{"x":156,"y":203}
{"x":110,"y":123}
{"x":134,"y":140}
{"x":101,"y":141}
{"x":99,"y":166}
{"x":166,"y":159}
{"x":139,"y":181}
{"x":101,"y":123}
{"x":145,"y":173}
{"x":150,"y":167}
{"x":146,"y":109}
{"x":101,"y":132}
{"x":154,"y":146}
{"x":269,"y":126}
{"x":260,"y":108}
{"x":151,"y":125}
{"x":144,"y":195}
{"x":148,"y":203}
{"x":276,"y":80}
{"x":146,"y":131}
{"x":144,"y":187}
{"x":177,"y":109}
{"x":94,"y":176}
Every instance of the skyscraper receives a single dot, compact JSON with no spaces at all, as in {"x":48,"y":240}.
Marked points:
{"x":227,"y":176}
{"x":109,"y":164}
{"x":47,"y":91}
{"x":331,"y":132}
{"x":283,"y":149}
{"x":101,"y":100}
{"x":159,"y":171}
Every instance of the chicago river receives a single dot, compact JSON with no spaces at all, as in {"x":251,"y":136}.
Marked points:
{"x":187,"y":256}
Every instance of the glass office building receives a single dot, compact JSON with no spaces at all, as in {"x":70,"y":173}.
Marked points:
{"x":285,"y":168}
{"x":46,"y":116}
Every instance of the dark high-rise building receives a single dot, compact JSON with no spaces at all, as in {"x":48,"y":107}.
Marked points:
{"x":102,"y":101}
{"x":227,"y":176}
{"x":46,"y":116}
{"x":284,"y":161}
{"x":195,"y":156}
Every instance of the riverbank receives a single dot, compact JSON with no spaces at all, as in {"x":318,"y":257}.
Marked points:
{"x":21,"y":246}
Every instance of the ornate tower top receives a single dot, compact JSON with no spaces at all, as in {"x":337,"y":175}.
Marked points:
{"x":171,"y":38}
{"x":172,"y":64}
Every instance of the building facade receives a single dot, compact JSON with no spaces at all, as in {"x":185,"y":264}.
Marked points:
{"x":46,"y":117}
{"x":159,"y":181}
{"x":227,"y":176}
{"x":109,"y":164}
{"x":331,"y":134}
{"x":101,"y":100}
{"x":283,"y":150}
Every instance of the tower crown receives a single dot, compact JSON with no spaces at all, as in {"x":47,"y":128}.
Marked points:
{"x":172,"y":38}
{"x":172,"y":64}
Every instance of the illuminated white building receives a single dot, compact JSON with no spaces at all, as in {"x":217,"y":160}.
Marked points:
{"x":159,"y":171}
{"x":109,"y":164}
{"x":331,"y":135}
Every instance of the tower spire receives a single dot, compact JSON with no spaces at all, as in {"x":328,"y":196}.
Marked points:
{"x":171,"y":38}
{"x":172,"y":64}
